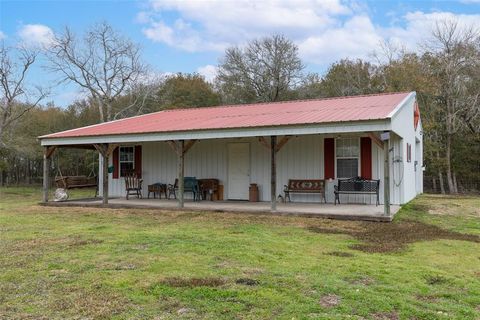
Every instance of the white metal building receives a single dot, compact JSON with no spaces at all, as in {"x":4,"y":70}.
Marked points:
{"x":314,"y":139}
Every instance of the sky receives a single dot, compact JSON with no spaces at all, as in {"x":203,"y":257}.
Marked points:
{"x":191,"y":36}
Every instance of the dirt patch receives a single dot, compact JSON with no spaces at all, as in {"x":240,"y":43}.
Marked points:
{"x":247,"y":282}
{"x":363,"y":281}
{"x":77,"y":241}
{"x":388,"y":237}
{"x":385,"y":316}
{"x":341,"y":254}
{"x":40,"y":243}
{"x":178,"y":282}
{"x":330,"y":301}
{"x":435,"y":280}
{"x":428,"y":298}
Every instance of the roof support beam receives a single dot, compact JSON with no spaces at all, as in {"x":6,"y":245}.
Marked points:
{"x":376,"y":139}
{"x":181,"y":148}
{"x":105,"y":151}
{"x":181,"y":172}
{"x":47,"y":154}
{"x":386,"y":175}
{"x":273,"y":173}
{"x":264,"y":142}
{"x":278,"y":145}
{"x":282,"y":142}
{"x":175,"y":145}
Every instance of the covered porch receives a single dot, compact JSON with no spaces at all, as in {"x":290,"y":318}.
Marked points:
{"x":267,"y":145}
{"x":363,"y":212}
{"x":271,"y":162}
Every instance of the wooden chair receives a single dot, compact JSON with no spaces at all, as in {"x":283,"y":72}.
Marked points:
{"x":133,"y":185}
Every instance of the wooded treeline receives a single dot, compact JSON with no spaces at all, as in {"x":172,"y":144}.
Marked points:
{"x":117,"y":84}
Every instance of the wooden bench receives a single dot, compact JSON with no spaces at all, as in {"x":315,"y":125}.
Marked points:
{"x":304,"y":186}
{"x":190,"y":184}
{"x":76,"y":182}
{"x":357,"y":185}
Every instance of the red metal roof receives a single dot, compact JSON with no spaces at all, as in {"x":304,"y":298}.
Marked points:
{"x":343,"y":109}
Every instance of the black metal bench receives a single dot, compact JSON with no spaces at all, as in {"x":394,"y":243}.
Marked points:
{"x":304,"y":186}
{"x":357,"y":185}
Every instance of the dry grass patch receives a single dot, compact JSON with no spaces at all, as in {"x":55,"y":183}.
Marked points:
{"x":178,"y":282}
{"x":362,"y":281}
{"x":385,"y":316}
{"x":341,"y":254}
{"x":91,"y":304}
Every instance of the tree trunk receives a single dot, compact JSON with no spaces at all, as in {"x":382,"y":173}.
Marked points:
{"x":448,"y":156}
{"x":434,"y":185}
{"x":455,"y":182}
{"x":440,"y":178}
{"x":29,"y":172}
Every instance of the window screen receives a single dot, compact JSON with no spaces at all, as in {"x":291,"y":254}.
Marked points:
{"x":127,"y":160}
{"x":347,"y":153}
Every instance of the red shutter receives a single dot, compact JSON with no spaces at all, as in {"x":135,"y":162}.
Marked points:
{"x":138,"y":161}
{"x":366,"y":157}
{"x":329,"y":157}
{"x":416,"y":116}
{"x":116,"y":158}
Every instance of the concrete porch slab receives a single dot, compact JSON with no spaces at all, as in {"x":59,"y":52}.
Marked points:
{"x":319,"y":210}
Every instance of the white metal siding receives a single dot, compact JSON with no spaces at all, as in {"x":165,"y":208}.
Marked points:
{"x":301,"y":158}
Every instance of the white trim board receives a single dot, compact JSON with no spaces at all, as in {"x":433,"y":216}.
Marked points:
{"x":326,"y":128}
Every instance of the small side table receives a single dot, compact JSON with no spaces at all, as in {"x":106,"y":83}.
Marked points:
{"x":157,"y":188}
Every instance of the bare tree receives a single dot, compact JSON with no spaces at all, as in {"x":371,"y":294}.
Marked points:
{"x":17,"y":98}
{"x":136,"y":99}
{"x":265,"y":70}
{"x":103,"y":63}
{"x":455,"y":50}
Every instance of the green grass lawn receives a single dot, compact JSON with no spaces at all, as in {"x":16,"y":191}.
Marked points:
{"x":86,"y":263}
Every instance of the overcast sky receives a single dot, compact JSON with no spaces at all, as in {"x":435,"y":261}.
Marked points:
{"x":190,"y":36}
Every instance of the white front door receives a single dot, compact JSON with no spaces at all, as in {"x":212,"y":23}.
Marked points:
{"x":238,"y":171}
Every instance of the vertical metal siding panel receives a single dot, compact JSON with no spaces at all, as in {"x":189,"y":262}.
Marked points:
{"x":300,"y":158}
{"x":377,"y":167}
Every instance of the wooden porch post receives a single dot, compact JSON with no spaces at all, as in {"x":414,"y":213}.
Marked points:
{"x":386,"y":178}
{"x":273,"y":173}
{"x":105,"y":178}
{"x":46,"y":171}
{"x":105,"y":150}
{"x":181,"y":148}
{"x":181,"y":172}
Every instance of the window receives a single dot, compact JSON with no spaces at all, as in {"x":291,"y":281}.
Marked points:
{"x":127,"y":160}
{"x":347,"y":152}
{"x":409,"y":152}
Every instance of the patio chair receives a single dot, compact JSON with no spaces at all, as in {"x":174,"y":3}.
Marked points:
{"x":133,"y":185}
{"x":190,"y":184}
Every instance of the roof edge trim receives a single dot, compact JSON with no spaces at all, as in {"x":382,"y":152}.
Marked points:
{"x":401,"y":104}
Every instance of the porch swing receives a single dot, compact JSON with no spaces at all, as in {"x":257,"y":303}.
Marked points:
{"x":65,"y":183}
